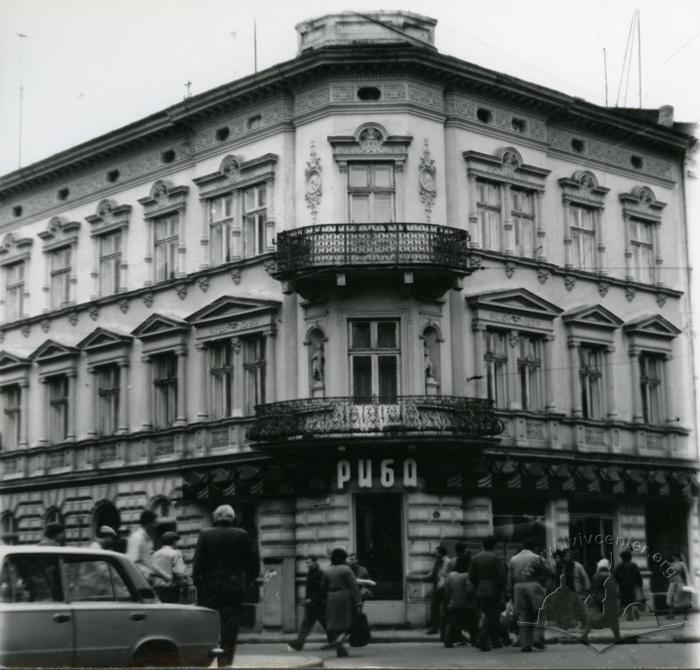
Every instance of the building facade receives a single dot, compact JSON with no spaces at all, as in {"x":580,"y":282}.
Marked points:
{"x":373,"y":297}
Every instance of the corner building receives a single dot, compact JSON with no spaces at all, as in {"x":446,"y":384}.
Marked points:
{"x":374,"y":297}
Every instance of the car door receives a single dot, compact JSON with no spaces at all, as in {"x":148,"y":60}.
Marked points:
{"x":35,"y":621}
{"x":107,"y":617}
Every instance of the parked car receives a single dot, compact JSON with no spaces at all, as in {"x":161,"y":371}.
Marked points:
{"x":70,"y":607}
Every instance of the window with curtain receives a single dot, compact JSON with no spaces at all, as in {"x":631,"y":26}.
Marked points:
{"x":110,"y":260}
{"x":58,"y":408}
{"x":591,"y":361}
{"x":165,"y":389}
{"x":374,"y":360}
{"x":496,"y":360}
{"x":651,"y":386}
{"x":254,"y":366}
{"x":254,"y":219}
{"x":107,"y":399}
{"x":371,"y":192}
{"x":584,"y":252}
{"x":165,"y":243}
{"x":12,"y":410}
{"x":488,"y":206}
{"x":14,"y":291}
{"x":530,"y":372}
{"x":524,"y":225}
{"x":60,"y":269}
{"x":642,"y":243}
{"x":221,"y":378}
{"x":220,"y":218}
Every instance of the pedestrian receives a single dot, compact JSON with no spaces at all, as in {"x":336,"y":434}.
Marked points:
{"x":437,"y":576}
{"x":168,"y":559}
{"x":221,"y":558}
{"x":524,"y":573}
{"x":140,"y":545}
{"x":630,"y":584}
{"x":678,"y":578}
{"x":54,"y":535}
{"x":460,"y":605}
{"x":576,"y":577}
{"x":106,"y":538}
{"x":488,"y":575}
{"x":602,"y":604}
{"x":460,"y":550}
{"x":314,"y":603}
{"x":364,"y":581}
{"x":343,"y":599}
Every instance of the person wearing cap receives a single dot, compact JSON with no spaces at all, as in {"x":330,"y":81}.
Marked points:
{"x":602,"y":603}
{"x":106,"y":539}
{"x":54,"y":535}
{"x":168,"y":559}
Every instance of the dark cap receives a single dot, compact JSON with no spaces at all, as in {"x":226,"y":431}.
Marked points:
{"x":170,"y":537}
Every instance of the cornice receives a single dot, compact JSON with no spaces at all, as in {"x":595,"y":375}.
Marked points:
{"x":178,"y":119}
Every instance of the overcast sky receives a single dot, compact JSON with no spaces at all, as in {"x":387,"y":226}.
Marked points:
{"x":89,"y":66}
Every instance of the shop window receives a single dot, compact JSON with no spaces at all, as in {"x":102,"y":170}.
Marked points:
{"x":517,"y":521}
{"x":587,"y":520}
{"x":371,"y":192}
{"x":165,"y":387}
{"x":374,"y":360}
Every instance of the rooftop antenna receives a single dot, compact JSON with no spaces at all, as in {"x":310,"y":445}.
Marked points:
{"x":21,"y":36}
{"x":639,"y":56}
{"x":188,"y":85}
{"x":233,"y":35}
{"x":605,"y":70}
{"x":255,"y":45}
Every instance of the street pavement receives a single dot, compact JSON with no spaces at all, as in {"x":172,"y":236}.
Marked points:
{"x":426,"y":655}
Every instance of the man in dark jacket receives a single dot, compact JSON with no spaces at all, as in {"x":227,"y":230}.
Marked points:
{"x":629,"y":580}
{"x":314,"y":604}
{"x":488,"y":575}
{"x":219,"y":572}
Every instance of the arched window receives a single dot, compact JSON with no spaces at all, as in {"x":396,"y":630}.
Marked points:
{"x":8,"y":528}
{"x":161,"y":506}
{"x":53,"y":515}
{"x":105,"y":514}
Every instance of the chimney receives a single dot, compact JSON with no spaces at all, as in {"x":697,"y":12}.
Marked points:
{"x":666,"y":116}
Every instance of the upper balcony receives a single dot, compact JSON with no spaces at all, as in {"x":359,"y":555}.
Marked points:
{"x":402,"y":417}
{"x":420,"y":256}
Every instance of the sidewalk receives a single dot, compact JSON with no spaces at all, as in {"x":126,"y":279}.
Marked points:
{"x":649,"y":630}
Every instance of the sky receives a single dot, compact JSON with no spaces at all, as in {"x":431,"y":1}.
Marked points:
{"x":89,"y":66}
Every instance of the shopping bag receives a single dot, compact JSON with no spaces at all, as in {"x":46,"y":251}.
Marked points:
{"x":359,"y":631}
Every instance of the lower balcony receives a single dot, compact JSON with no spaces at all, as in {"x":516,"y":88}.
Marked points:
{"x":403,"y":416}
{"x":425,"y":257}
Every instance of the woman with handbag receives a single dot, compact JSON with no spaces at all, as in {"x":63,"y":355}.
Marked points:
{"x":342,"y":599}
{"x":678,"y":596}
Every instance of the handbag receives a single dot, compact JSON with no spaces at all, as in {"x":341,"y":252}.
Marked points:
{"x":359,"y":631}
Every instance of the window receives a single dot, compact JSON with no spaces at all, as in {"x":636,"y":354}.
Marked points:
{"x":165,"y":242}
{"x":530,"y":372}
{"x":12,"y":410}
{"x":60,"y":269}
{"x":221,"y":372}
{"x":107,"y":399}
{"x":496,"y":358}
{"x":374,"y":360}
{"x":254,"y":371}
{"x":523,"y":213}
{"x":642,"y":243}
{"x":591,"y":361}
{"x":488,"y":205}
{"x":110,"y":260}
{"x":34,"y":579}
{"x":583,"y":238}
{"x":91,"y":580}
{"x":220,"y":218}
{"x":8,"y":535}
{"x":371,"y":192}
{"x":14,"y":291}
{"x":254,"y":219}
{"x":58,"y":408}
{"x":165,"y":389}
{"x":650,"y":380}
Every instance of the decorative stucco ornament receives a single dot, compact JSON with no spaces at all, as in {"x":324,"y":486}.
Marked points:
{"x":314,"y":182}
{"x":426,"y":181}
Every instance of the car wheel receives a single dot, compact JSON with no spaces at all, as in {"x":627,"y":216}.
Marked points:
{"x":156,"y":655}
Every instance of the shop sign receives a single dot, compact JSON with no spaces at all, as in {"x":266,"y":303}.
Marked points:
{"x":371,"y":473}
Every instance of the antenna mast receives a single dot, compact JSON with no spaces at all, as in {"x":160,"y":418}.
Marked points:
{"x":255,"y":45}
{"x":21,"y":100}
{"x":605,"y":70}
{"x":639,"y":57}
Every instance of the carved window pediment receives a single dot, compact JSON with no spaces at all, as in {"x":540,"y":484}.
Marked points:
{"x":60,"y":232}
{"x":642,"y":203}
{"x":108,"y":215}
{"x":164,"y":198}
{"x":506,"y":165}
{"x":51,"y":351}
{"x":159,"y":325}
{"x":235,"y":173}
{"x":583,"y":188}
{"x":101,"y":338}
{"x":11,"y":362}
{"x":516,"y":309}
{"x":370,"y":141}
{"x":233,"y":315}
{"x":595,"y":316}
{"x":14,"y":248}
{"x":655,"y":326}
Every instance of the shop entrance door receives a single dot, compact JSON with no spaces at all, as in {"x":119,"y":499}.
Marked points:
{"x":587,"y":539}
{"x":379,"y":542}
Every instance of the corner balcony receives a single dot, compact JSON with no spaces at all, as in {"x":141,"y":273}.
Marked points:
{"x":402,"y":417}
{"x":417,"y":256}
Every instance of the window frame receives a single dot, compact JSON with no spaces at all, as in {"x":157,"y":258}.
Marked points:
{"x":583,"y":237}
{"x":371,"y":191}
{"x":165,"y":389}
{"x":15,"y":290}
{"x":593,"y":380}
{"x":108,"y":399}
{"x":58,"y":406}
{"x":113,"y":258}
{"x":165,"y":249}
{"x":226,"y":224}
{"x":220,"y":379}
{"x":254,"y":350}
{"x":653,"y":413}
{"x":375,"y":352}
{"x":12,"y":416}
{"x":60,"y":277}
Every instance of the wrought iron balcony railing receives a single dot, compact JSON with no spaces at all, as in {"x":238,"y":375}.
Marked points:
{"x":371,"y":244}
{"x":347,"y":416}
